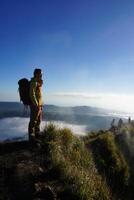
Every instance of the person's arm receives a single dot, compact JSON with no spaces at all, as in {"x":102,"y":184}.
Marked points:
{"x":33,"y":93}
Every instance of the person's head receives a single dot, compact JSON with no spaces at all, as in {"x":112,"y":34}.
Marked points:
{"x":38,"y":73}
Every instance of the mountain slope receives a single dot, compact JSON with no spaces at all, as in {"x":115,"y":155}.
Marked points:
{"x":61,"y":166}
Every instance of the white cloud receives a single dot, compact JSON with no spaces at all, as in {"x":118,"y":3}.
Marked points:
{"x":17,"y":128}
{"x":76,"y":94}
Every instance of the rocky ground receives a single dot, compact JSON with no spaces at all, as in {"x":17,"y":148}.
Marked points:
{"x":25,"y":173}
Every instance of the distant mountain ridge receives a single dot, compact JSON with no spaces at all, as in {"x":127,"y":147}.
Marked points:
{"x":92,"y":118}
{"x":12,"y":106}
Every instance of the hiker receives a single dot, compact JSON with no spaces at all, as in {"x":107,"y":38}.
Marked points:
{"x":120,"y":123}
{"x":36,"y":104}
{"x":113,"y":123}
{"x":113,"y":128}
{"x":39,"y":95}
{"x":129,"y":120}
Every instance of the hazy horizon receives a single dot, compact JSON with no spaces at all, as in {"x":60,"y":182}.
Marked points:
{"x":126,"y":109}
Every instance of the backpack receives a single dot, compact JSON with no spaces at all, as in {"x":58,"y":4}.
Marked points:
{"x":24,"y":91}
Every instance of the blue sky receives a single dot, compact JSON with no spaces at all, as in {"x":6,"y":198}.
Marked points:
{"x":85,"y":48}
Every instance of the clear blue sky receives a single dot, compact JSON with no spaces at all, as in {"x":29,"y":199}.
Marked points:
{"x":85,"y":48}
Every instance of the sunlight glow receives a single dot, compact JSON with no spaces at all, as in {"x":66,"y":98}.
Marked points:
{"x":121,"y":102}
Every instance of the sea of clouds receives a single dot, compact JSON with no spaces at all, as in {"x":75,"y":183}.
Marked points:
{"x":16,"y":128}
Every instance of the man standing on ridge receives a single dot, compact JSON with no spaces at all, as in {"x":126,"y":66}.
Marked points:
{"x":36,"y":104}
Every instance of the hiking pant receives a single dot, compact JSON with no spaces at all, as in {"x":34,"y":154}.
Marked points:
{"x":35,"y":120}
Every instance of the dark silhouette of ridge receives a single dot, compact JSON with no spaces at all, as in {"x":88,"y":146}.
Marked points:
{"x":9,"y":147}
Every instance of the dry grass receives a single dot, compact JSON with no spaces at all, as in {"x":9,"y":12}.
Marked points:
{"x":74,"y":165}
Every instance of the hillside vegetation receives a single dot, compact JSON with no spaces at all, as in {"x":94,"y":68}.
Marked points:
{"x":61,"y":166}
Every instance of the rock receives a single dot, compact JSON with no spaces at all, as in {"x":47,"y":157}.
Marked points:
{"x":44,"y":191}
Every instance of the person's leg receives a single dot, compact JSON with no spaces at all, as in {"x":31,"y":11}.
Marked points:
{"x":32,"y":123}
{"x":38,"y":122}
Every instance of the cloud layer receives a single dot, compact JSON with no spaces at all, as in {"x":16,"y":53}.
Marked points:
{"x":17,"y":128}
